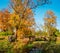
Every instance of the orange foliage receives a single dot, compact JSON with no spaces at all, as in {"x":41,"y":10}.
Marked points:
{"x":4,"y":18}
{"x":50,"y":22}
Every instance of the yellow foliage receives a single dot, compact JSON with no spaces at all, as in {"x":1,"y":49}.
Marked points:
{"x":14,"y":19}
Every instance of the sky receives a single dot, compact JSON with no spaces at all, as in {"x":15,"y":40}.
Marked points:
{"x":40,"y":11}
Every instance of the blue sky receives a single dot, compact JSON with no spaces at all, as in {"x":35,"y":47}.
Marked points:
{"x":40,"y":11}
{"x":54,"y":6}
{"x":4,"y":4}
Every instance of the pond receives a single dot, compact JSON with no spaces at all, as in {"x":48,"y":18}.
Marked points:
{"x":35,"y":50}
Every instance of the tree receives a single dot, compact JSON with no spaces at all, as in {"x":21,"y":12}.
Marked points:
{"x":4,"y":18}
{"x":50,"y":23}
{"x":23,"y":8}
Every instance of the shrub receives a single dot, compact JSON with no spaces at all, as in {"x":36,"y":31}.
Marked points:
{"x":6,"y":33}
{"x":50,"y":48}
{"x":5,"y":47}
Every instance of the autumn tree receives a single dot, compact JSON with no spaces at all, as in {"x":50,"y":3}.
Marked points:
{"x":50,"y":23}
{"x":23,"y":8}
{"x":21,"y":20}
{"x":4,"y":18}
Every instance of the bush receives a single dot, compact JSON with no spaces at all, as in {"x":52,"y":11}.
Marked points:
{"x":50,"y":48}
{"x":6,"y":33}
{"x":6,"y":47}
